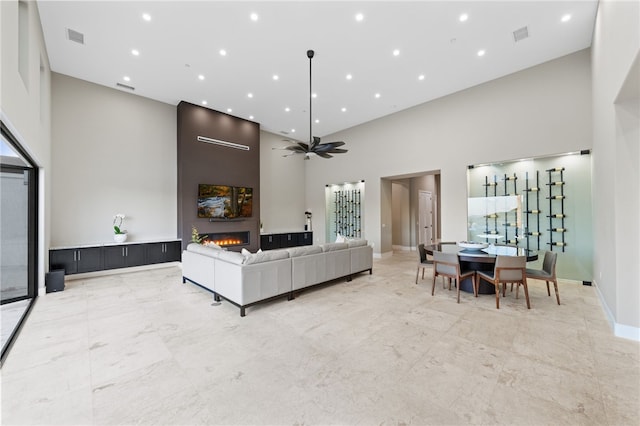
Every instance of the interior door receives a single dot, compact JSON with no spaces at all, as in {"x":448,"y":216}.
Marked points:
{"x":425,"y":217}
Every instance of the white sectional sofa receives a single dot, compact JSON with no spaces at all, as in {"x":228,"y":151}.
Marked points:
{"x":247,"y":280}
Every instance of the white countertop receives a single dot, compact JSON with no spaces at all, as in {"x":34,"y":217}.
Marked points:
{"x":113,"y":243}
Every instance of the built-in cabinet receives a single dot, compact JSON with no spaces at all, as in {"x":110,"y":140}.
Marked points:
{"x":105,"y":257}
{"x":289,"y":239}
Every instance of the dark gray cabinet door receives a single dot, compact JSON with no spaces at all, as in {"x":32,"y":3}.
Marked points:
{"x":173,"y":251}
{"x":63,"y":259}
{"x":114,"y":257}
{"x":89,"y":259}
{"x":135,"y":255}
{"x":155,"y":253}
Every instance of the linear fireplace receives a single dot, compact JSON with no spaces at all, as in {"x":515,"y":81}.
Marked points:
{"x":226,"y":239}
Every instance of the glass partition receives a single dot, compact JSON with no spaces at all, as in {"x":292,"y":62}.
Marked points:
{"x":539,"y":204}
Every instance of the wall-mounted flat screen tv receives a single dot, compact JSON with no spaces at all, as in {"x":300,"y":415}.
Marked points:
{"x":224,"y":201}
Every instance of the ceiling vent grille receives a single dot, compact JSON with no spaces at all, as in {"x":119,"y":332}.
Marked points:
{"x":520,"y":34}
{"x":75,"y":36}
{"x":124,"y":86}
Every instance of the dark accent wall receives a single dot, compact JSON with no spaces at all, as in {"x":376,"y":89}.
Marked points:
{"x":200,"y":162}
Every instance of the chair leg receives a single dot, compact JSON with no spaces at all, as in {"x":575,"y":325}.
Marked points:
{"x":517,"y":288}
{"x":504,"y":289}
{"x":498,"y":294}
{"x":475,"y":285}
{"x":548,"y":292}
{"x":526,"y":293}
{"x":458,"y":290}
{"x":417,"y":273}
{"x":555,"y":285}
{"x":423,"y":272}
{"x":433,"y":285}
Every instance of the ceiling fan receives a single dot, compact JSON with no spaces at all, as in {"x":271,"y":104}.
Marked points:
{"x":314,"y":146}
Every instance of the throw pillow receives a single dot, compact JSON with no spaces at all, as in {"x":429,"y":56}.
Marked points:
{"x":340,"y":239}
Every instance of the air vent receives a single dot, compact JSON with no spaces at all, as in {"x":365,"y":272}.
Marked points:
{"x":75,"y":36}
{"x":124,"y":86}
{"x":520,"y":34}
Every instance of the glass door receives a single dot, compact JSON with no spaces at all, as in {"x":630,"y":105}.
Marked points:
{"x":18,"y":235}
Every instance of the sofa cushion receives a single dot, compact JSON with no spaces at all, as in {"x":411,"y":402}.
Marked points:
{"x":334,"y":246}
{"x":266,"y":256}
{"x":232,"y":257}
{"x":246,"y":252}
{"x":357,"y":243}
{"x":304,"y":251}
{"x":204,"y":250}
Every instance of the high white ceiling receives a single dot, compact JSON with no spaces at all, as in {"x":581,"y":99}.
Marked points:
{"x":183,"y":41}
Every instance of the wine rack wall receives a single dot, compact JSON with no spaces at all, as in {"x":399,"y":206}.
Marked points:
{"x":532,"y":237}
{"x":348,"y":212}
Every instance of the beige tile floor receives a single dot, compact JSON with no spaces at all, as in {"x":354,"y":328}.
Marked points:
{"x":143,"y":348}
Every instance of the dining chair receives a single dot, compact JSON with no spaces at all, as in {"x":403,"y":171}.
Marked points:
{"x":423,"y":262}
{"x":507,"y":269}
{"x":547,"y":273}
{"x":447,"y":265}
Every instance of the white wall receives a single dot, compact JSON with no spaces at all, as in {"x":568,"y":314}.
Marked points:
{"x":539,"y":111}
{"x":282,"y":187}
{"x":615,"y":47}
{"x":113,"y":152}
{"x":26,"y":105}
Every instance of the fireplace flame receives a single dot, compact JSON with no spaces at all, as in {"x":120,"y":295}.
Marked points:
{"x":223,"y":242}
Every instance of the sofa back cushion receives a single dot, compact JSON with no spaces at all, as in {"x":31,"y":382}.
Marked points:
{"x":334,"y":246}
{"x":357,"y":243}
{"x":232,"y":257}
{"x":204,"y":250}
{"x":266,"y":256}
{"x":304,"y":251}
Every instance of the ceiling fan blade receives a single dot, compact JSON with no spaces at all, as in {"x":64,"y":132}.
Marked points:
{"x":303,"y":146}
{"x":323,"y":154}
{"x":337,"y":143}
{"x":295,"y":148}
{"x":338,"y":151}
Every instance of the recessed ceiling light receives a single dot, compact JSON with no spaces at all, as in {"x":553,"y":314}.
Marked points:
{"x":566,"y":18}
{"x":463,"y":17}
{"x":201,"y":77}
{"x":254,"y":16}
{"x":204,"y":102}
{"x":135,"y":52}
{"x":315,"y":95}
{"x":126,"y":78}
{"x":251,"y":117}
{"x":396,"y":52}
{"x":229,"y":110}
{"x":275,"y":77}
{"x":359,"y":17}
{"x":146,"y":17}
{"x":223,"y":52}
{"x":293,"y":130}
{"x":287,"y":109}
{"x":349,"y":76}
{"x":250,"y":95}
{"x":343,"y":109}
{"x":421,"y":77}
{"x":481,"y":52}
{"x":377,"y":95}
{"x":317,"y":121}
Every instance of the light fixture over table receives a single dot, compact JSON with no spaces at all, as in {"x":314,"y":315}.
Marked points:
{"x":314,"y":146}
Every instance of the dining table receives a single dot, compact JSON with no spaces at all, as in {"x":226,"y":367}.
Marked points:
{"x":480,"y":260}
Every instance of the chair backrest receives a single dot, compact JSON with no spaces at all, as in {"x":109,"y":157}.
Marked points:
{"x":422,"y":253}
{"x":445,"y":263}
{"x":510,"y":268}
{"x":549,"y":263}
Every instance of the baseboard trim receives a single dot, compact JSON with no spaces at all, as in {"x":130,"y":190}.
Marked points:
{"x":402,"y":248}
{"x":619,"y":330}
{"x":106,"y":272}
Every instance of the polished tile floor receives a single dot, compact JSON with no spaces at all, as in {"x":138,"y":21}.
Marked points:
{"x":143,"y":348}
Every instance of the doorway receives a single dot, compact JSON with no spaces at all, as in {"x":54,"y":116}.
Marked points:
{"x":425,"y":217}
